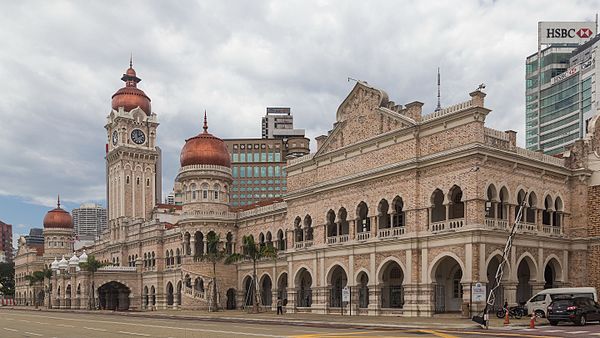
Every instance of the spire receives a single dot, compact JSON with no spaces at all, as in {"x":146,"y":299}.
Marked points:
{"x":205,"y":127}
{"x":131,"y":60}
{"x":58,"y":201}
{"x":439,"y":105}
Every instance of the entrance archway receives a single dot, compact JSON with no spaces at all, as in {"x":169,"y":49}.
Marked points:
{"x":67,"y":297}
{"x":363,"y":290}
{"x":337,"y":281}
{"x":392,"y":295}
{"x":525,"y":275}
{"x":492,"y":268}
{"x":265,"y":291}
{"x":282,"y":285}
{"x":552,"y":274}
{"x":170,"y":294}
{"x":114,"y":296}
{"x":231,"y":299}
{"x":248,"y":291}
{"x":448,"y":290}
{"x":304,"y":284}
{"x":145,"y":296}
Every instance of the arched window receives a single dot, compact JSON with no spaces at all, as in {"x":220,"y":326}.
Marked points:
{"x":193,"y":191}
{"x":547,"y":213}
{"x":205,"y":190}
{"x":280,"y":240}
{"x":217,"y":188}
{"x":269,"y":239}
{"x":363,"y":223}
{"x":558,"y":212}
{"x":490,"y":203}
{"x":229,"y":244}
{"x":167,"y":259}
{"x":308,"y":227}
{"x":332,"y":230}
{"x":178,"y":256}
{"x":398,"y":219}
{"x":457,"y":206}
{"x":298,"y":232}
{"x":383,"y":220}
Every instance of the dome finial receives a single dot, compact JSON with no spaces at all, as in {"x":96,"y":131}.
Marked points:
{"x":131,"y":60}
{"x":58,"y":201}
{"x":205,"y":127}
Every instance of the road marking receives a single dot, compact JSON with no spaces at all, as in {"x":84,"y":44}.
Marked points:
{"x":577,"y":332}
{"x":65,"y":325}
{"x":554,"y":331}
{"x":594,"y":334}
{"x":95,"y":329}
{"x":32,"y":333}
{"x":135,"y":333}
{"x":439,"y":334}
{"x":41,"y":323}
{"x":8,"y":329}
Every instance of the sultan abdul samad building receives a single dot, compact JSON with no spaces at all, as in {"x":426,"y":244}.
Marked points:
{"x":405,"y":207}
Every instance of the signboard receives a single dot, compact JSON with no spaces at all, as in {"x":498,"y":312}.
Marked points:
{"x":478,"y":292}
{"x":566,"y":74}
{"x":346,"y":294}
{"x":551,"y":32}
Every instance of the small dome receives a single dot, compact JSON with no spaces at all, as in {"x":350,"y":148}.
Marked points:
{"x":205,"y":149}
{"x":58,"y":218}
{"x":130,"y":97}
{"x":63,"y":264}
{"x":54,"y":264}
{"x":74,"y":260}
{"x":83,"y":257}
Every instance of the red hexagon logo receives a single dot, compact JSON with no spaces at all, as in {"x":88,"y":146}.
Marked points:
{"x":584,"y":33}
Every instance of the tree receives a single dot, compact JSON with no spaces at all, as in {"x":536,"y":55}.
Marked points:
{"x":254,"y":252}
{"x":213,"y":255}
{"x":91,"y":265}
{"x":7,"y":278}
{"x":36,"y":279}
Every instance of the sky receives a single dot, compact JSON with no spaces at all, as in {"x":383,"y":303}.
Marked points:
{"x":61,"y":61}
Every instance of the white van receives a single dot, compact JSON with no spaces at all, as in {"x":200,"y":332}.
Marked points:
{"x":539,"y":303}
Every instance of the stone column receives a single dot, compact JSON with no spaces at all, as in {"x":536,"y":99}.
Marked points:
{"x":352,"y":230}
{"x":292,"y":303}
{"x":193,"y":245}
{"x":374,"y":226}
{"x":510,"y":293}
{"x":374,"y":299}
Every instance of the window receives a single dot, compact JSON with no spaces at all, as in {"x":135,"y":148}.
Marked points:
{"x":249,"y":171}
{"x":235,"y":173}
{"x":235,"y":157}
{"x":137,"y":181}
{"x":243,"y":156}
{"x":263,"y":172}
{"x":270,"y":171}
{"x":127,"y":179}
{"x":256,"y":171}
{"x":277,"y":157}
{"x":256,"y":157}
{"x":147,"y":182}
{"x":263,"y":157}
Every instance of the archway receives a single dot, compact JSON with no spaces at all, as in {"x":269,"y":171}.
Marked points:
{"x":230,"y":299}
{"x":448,"y":290}
{"x":363,"y":290}
{"x":457,"y":206}
{"x":198,"y":244}
{"x":552,"y":274}
{"x":492,"y":268}
{"x":392,"y":276}
{"x":146,"y":299}
{"x":265,"y":291}
{"x":67,"y":297}
{"x":248,"y":291}
{"x":179,"y":293}
{"x":282,"y":285}
{"x":152,"y":296}
{"x":114,"y":296}
{"x":304,"y":284}
{"x":525,"y":275}
{"x":170,"y":294}
{"x":337,"y":281}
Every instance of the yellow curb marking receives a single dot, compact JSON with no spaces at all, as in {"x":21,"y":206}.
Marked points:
{"x":438,"y":334}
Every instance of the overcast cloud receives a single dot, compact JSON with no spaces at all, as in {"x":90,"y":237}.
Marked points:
{"x":60,"y":62}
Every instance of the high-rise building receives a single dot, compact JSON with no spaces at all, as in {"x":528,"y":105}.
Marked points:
{"x":559,"y":80}
{"x":6,"y":241}
{"x":258,"y":164}
{"x":170,"y":199}
{"x":279,"y":123}
{"x":89,"y":220}
{"x":35,"y":237}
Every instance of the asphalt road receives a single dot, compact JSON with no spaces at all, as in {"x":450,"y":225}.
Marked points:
{"x":14,"y":323}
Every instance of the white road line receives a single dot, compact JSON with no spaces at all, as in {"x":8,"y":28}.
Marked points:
{"x":65,"y":325}
{"x":554,"y":331}
{"x":576,"y":332}
{"x":8,"y":329}
{"x":134,"y":333}
{"x":32,"y":333}
{"x":95,"y":329}
{"x":594,"y":334}
{"x":41,"y":323}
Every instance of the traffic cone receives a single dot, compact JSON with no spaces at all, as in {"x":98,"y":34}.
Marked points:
{"x":506,"y":320}
{"x":532,"y":321}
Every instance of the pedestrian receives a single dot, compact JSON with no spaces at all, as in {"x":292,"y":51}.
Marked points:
{"x":279,"y":306}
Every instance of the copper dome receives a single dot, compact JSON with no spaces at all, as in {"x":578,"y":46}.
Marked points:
{"x":205,"y":148}
{"x":58,"y":218}
{"x":130,"y":97}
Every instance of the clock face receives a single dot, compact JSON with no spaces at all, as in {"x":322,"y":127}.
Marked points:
{"x":115,"y":138}
{"x":137,"y":136}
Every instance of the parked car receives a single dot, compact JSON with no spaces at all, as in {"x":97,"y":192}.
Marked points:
{"x":538,"y":303}
{"x":578,"y":310}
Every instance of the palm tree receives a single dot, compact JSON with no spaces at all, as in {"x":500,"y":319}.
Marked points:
{"x":35,"y":279}
{"x":254,"y":252}
{"x":91,"y":265}
{"x":214,"y":256}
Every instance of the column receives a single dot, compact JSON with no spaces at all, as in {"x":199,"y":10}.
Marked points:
{"x":193,"y":245}
{"x":510,"y":293}
{"x":374,"y":226}
{"x":352,"y":230}
{"x":374,"y":298}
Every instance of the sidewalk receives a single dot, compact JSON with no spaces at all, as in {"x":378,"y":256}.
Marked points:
{"x":304,"y":319}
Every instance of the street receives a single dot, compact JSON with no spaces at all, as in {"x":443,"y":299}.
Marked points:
{"x":14,"y":323}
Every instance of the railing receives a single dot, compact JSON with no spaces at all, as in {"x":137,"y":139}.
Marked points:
{"x":496,"y":134}
{"x":301,"y":159}
{"x":363,"y":236}
{"x":391,"y":232}
{"x":451,"y":224}
{"x":118,"y":268}
{"x":551,"y":230}
{"x":496,"y":223}
{"x":308,"y":244}
{"x":452,"y":109}
{"x":541,"y":157}
{"x":343,"y":238}
{"x":527,"y":226}
{"x":332,"y":239}
{"x":305,"y":244}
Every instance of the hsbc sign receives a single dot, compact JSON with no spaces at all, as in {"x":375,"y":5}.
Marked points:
{"x":565,"y":32}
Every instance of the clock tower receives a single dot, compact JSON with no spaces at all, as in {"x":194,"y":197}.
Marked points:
{"x":133,"y":161}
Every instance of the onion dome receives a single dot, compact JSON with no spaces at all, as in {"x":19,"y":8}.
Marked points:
{"x":83,"y":257}
{"x":54,"y":265}
{"x":130,"y":97}
{"x":74,"y":260}
{"x":63,"y":264}
{"x":205,"y":149}
{"x":58,"y":218}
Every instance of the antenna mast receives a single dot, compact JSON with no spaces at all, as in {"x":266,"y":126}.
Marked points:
{"x":439,"y":105}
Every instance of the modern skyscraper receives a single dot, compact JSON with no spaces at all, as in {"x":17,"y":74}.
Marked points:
{"x":559,"y":90}
{"x":6,"y":240}
{"x":89,"y":220}
{"x":258,"y":164}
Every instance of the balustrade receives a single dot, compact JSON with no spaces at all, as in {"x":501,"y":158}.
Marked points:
{"x":391,"y":232}
{"x":363,"y":236}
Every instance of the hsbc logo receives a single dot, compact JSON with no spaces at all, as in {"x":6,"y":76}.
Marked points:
{"x":562,"y":33}
{"x":584,"y":33}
